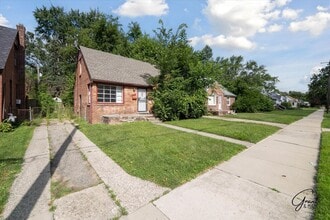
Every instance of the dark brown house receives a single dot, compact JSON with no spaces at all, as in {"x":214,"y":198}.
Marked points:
{"x":220,"y":100}
{"x":12,"y":70}
{"x":108,"y":84}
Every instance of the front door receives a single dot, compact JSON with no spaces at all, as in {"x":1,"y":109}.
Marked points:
{"x":142,"y":100}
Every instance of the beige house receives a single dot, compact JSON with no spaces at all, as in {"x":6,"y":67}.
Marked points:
{"x":108,"y":85}
{"x":220,"y":100}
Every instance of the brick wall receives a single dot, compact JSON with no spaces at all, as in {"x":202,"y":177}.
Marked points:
{"x":81,"y":104}
{"x":94,"y":111}
{"x":224,"y":107}
{"x":12,"y":83}
{"x":129,"y":105}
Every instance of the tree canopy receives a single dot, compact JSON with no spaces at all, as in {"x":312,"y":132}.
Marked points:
{"x":179,"y":90}
{"x":318,"y":87}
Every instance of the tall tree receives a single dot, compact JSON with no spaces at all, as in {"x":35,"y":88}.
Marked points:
{"x":180,"y":88}
{"x":318,"y":88}
{"x":249,"y":81}
{"x":134,"y":31}
{"x":54,"y":45}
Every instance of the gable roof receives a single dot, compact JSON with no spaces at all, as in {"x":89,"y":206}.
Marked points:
{"x":226,"y":92}
{"x":7,"y":38}
{"x":109,"y":67}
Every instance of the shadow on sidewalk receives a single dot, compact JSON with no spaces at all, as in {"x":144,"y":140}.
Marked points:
{"x":29,"y":200}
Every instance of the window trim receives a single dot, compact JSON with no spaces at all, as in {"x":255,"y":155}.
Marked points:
{"x":213,"y":97}
{"x":228,"y":101}
{"x":110,"y":86}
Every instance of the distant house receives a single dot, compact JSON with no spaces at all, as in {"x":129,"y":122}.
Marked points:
{"x":108,"y":84}
{"x":280,"y":99}
{"x":293,"y":101}
{"x":12,"y":70}
{"x":220,"y":99}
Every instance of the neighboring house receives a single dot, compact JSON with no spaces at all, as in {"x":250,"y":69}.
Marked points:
{"x":220,"y":99}
{"x":108,"y":84}
{"x":12,"y":70}
{"x":293,"y":101}
{"x":279,"y":99}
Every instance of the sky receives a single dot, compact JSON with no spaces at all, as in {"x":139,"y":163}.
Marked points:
{"x":291,"y":38}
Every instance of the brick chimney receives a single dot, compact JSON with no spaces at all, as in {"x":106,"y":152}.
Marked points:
{"x":21,"y":34}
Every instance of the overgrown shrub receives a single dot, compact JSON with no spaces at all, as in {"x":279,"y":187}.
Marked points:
{"x":172,"y":105}
{"x":47,"y":103}
{"x":287,"y":105}
{"x":253,"y":102}
{"x":6,"y":126}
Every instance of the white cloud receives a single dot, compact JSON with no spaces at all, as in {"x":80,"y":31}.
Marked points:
{"x":281,"y":3}
{"x":223,"y":41}
{"x":320,"y":8}
{"x":235,"y":23}
{"x":274,"y":28}
{"x":315,"y":24}
{"x":237,"y":19}
{"x":186,"y":10}
{"x":292,"y":14}
{"x":136,"y":8}
{"x":3,"y":21}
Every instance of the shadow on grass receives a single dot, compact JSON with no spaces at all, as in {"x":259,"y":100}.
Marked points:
{"x":29,"y":200}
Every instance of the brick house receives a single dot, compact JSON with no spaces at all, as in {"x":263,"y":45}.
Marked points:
{"x":220,"y":99}
{"x":108,"y":84}
{"x":12,"y":70}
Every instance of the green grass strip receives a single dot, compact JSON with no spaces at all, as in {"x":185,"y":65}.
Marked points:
{"x":12,"y":149}
{"x":238,"y":130}
{"x":322,"y":210}
{"x":162,"y":155}
{"x":283,"y":117}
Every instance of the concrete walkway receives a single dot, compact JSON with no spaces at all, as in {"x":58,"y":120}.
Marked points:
{"x":132,"y":192}
{"x":247,"y":121}
{"x":263,"y":182}
{"x":90,"y":198}
{"x":30,"y":192}
{"x":205,"y":134}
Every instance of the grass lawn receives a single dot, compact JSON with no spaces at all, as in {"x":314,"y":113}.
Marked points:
{"x":326,"y":120}
{"x":238,"y":130}
{"x":162,"y":155}
{"x":12,"y":150}
{"x":284,"y":117}
{"x":322,"y":210}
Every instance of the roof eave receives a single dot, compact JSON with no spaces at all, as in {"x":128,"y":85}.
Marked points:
{"x":119,"y":83}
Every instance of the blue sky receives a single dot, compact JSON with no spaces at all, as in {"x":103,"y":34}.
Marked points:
{"x":290,"y":37}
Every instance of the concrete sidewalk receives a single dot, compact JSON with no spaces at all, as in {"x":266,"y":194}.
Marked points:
{"x":260,"y":183}
{"x":205,"y":134}
{"x":30,"y":192}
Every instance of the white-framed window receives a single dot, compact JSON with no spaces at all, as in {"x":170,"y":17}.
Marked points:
{"x":109,"y":93}
{"x":212,"y":100}
{"x":89,"y":94}
{"x":80,"y":68}
{"x":228,"y":101}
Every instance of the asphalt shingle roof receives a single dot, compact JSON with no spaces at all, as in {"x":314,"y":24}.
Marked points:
{"x":226,"y":92}
{"x":114,"y":68}
{"x":7,"y":38}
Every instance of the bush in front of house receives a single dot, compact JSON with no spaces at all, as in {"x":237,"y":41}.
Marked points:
{"x":5,"y":126}
{"x":177,"y":104}
{"x":253,"y":102}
